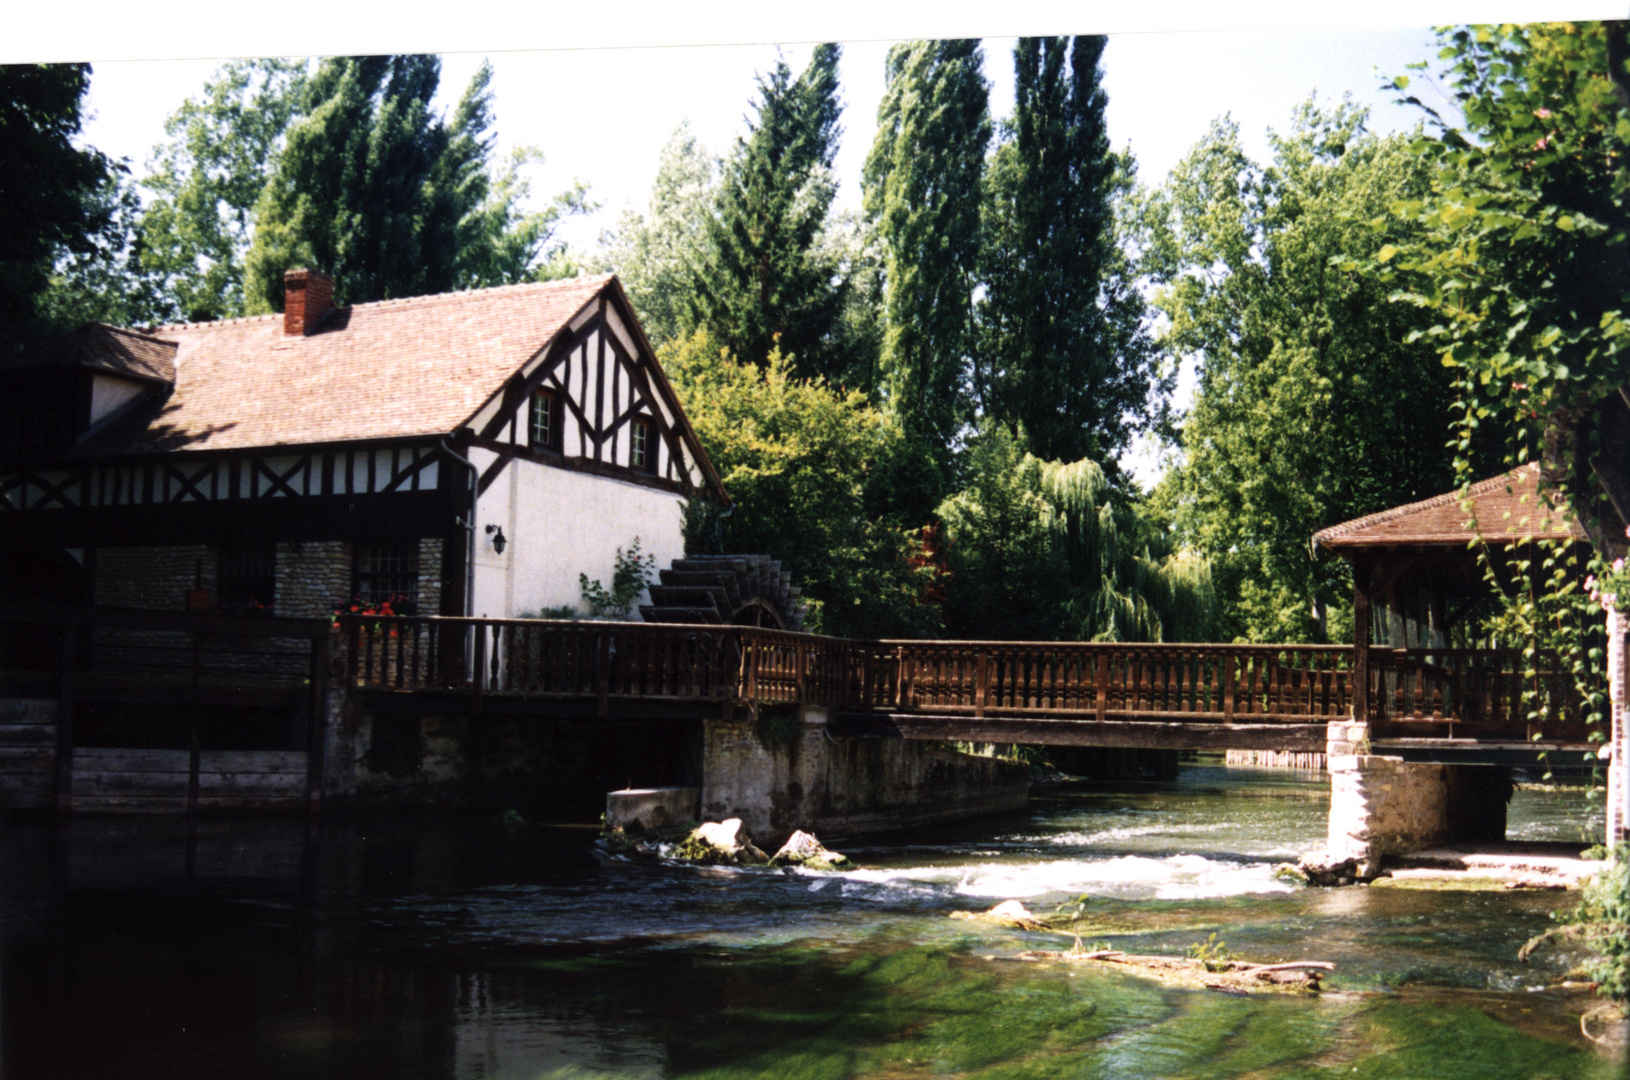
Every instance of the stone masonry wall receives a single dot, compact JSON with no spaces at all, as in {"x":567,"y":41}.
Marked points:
{"x":312,"y":578}
{"x":1382,"y":806}
{"x":156,"y":578}
{"x":839,"y":787}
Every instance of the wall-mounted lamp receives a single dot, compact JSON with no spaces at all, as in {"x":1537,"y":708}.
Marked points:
{"x":498,"y":540}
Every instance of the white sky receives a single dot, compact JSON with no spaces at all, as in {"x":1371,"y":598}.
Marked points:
{"x":601,"y":90}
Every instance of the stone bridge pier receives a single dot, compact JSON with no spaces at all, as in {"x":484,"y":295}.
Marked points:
{"x":1382,"y":805}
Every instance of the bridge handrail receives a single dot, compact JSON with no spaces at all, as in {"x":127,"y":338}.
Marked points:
{"x":1212,"y":682}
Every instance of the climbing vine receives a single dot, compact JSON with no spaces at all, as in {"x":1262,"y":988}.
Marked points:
{"x":1519,"y":254}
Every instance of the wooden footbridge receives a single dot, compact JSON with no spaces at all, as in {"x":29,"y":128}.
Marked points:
{"x":248,"y":696}
{"x":1422,"y":702}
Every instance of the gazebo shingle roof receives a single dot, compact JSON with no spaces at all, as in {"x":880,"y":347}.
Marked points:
{"x":1505,"y":508}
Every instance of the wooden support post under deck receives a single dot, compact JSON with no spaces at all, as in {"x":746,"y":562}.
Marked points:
{"x":1361,"y":651}
{"x":318,"y":724}
{"x":71,"y":637}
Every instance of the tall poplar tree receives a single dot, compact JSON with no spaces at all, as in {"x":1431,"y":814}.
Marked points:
{"x":923,"y":181}
{"x":1065,"y":356}
{"x":383,"y":194}
{"x":768,"y":276}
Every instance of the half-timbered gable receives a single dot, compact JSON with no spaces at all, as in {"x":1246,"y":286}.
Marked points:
{"x":533,"y":412}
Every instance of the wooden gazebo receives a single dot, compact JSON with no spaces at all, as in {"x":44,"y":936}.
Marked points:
{"x":1417,"y":572}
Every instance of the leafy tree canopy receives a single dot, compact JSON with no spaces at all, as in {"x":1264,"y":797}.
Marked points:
{"x":53,"y":195}
{"x":206,"y":179}
{"x":813,"y":473}
{"x":1312,"y":407}
{"x":657,"y":254}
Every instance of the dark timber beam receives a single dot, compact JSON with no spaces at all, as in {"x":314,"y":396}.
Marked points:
{"x":1299,"y":738}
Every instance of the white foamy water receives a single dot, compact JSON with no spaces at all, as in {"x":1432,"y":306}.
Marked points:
{"x":1176,"y":877}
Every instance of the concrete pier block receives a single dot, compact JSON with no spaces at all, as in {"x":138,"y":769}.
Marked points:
{"x":651,"y":808}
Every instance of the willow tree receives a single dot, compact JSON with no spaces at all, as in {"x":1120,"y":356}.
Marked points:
{"x":923,"y":182}
{"x":1042,"y":550}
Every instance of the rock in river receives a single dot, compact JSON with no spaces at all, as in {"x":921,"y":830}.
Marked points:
{"x":723,"y":843}
{"x":802,"y":849}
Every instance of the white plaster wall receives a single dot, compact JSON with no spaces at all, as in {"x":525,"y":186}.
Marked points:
{"x":560,"y":524}
{"x":1618,"y":746}
{"x":108,"y":392}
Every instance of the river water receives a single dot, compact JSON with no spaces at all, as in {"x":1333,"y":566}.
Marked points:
{"x":443,"y":947}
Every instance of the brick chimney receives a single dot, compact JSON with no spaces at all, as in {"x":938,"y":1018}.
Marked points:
{"x":308,"y":295}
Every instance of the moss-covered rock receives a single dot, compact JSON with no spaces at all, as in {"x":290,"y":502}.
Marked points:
{"x":721,"y":843}
{"x":802,"y":849}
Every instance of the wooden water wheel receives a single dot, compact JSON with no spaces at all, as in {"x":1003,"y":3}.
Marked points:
{"x":726,"y":590}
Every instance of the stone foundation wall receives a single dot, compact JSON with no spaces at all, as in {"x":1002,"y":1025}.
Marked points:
{"x":838,"y":787}
{"x":1382,"y":806}
{"x":534,"y":763}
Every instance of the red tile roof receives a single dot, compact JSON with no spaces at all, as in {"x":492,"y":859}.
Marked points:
{"x":418,"y":366}
{"x":128,"y":353}
{"x":1506,"y":508}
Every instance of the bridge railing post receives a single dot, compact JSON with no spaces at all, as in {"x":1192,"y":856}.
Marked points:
{"x":1100,"y":678}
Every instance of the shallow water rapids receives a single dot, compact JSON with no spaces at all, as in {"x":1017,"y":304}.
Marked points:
{"x":447,"y":947}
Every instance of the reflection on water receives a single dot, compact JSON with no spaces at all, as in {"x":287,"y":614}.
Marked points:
{"x":441,"y":948}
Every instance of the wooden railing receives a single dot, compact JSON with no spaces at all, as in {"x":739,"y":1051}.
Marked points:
{"x":561,"y":658}
{"x":1215,"y":683}
{"x":1482,"y":689}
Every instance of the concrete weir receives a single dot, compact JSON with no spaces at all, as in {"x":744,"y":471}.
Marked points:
{"x":784,"y":771}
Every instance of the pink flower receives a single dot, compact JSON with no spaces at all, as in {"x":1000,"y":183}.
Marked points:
{"x":1618,"y":565}
{"x":1543,"y":114}
{"x":1539,"y":144}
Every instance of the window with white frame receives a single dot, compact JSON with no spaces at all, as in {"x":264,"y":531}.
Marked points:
{"x":642,"y":447}
{"x":387,"y":570}
{"x":542,"y":426}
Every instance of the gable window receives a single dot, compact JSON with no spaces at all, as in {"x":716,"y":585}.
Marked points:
{"x":247,"y":579}
{"x":387,"y":570}
{"x":642,"y":452}
{"x":542,"y":426}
